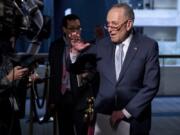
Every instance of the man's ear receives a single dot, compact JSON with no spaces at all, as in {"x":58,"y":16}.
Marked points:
{"x":129,"y":25}
{"x":64,"y":30}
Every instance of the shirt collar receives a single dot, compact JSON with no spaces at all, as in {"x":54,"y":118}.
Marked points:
{"x":127,"y":41}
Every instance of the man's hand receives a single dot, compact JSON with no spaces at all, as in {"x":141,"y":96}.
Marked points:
{"x":77,"y":45}
{"x":116,"y":117}
{"x":32,"y":78}
{"x":17,"y":73}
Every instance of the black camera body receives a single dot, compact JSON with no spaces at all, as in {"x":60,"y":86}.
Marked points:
{"x":21,"y":18}
{"x":27,"y":61}
{"x":7,"y":19}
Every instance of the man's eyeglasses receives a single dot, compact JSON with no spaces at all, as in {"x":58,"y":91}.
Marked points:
{"x":115,"y":26}
{"x":74,"y":29}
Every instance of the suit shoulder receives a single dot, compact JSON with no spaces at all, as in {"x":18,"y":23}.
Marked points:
{"x":104,"y":42}
{"x":146,"y":41}
{"x":57,"y":43}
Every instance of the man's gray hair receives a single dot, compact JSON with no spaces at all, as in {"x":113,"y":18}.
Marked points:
{"x":128,"y":10}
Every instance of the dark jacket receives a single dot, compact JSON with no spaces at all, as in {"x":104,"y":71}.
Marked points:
{"x":79,"y":94}
{"x":138,"y":82}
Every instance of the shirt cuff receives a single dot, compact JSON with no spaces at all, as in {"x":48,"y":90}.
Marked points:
{"x":126,"y":113}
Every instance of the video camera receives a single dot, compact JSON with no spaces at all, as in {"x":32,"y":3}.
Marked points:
{"x":23,"y":17}
{"x":27,"y":61}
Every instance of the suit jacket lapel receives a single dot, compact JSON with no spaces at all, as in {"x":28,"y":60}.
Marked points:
{"x":133,"y":48}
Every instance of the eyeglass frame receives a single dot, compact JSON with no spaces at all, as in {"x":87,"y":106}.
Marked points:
{"x":74,"y":29}
{"x":116,"y":28}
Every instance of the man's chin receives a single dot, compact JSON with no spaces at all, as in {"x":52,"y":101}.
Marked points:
{"x":114,"y":41}
{"x":113,"y":38}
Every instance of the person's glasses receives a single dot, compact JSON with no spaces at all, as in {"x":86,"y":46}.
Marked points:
{"x":74,"y":28}
{"x":115,"y":26}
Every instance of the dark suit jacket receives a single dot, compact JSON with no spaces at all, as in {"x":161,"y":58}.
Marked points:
{"x":55,"y":60}
{"x":138,"y":81}
{"x":78,"y":94}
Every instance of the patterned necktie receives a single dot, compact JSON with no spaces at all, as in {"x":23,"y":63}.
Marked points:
{"x":118,"y":59}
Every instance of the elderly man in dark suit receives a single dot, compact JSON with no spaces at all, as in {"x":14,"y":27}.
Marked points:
{"x":129,"y":74}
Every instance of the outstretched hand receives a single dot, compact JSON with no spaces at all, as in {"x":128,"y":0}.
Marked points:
{"x":77,"y":45}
